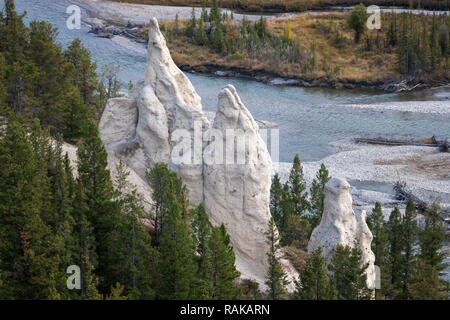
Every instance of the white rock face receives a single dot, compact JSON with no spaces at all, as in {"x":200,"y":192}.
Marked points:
{"x":162,"y":118}
{"x":237,"y":193}
{"x":340,"y":227}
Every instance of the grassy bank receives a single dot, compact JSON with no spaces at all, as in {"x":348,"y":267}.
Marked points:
{"x":294,"y":5}
{"x":315,"y":48}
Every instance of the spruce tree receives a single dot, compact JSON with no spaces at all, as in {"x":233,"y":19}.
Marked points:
{"x":176,"y":265}
{"x":394,"y":261}
{"x":380,"y":245}
{"x":202,"y":234}
{"x":29,"y":264}
{"x":276,"y":278}
{"x":276,"y":193}
{"x":138,"y":258}
{"x":409,"y":226}
{"x":318,"y":196}
{"x":224,"y":273}
{"x":104,"y":213}
{"x":314,"y":283}
{"x":349,"y":274}
{"x":297,"y":187}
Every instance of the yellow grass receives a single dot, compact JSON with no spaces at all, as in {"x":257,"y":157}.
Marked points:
{"x":353,"y":62}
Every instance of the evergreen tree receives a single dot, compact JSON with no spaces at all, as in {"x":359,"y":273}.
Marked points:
{"x":176,"y":265}
{"x":318,"y":196}
{"x":201,"y":38}
{"x":276,"y":278}
{"x":224,"y":273}
{"x":394,"y":261}
{"x":380,"y":244}
{"x":138,"y":257}
{"x":431,"y":239}
{"x":297,"y":187}
{"x":349,"y":274}
{"x":29,"y":265}
{"x":85,"y":77}
{"x":357,"y":20}
{"x":104,"y":213}
{"x":276,"y":194}
{"x":202,"y":235}
{"x":163,"y":182}
{"x":314,"y":283}
{"x":410,"y":230}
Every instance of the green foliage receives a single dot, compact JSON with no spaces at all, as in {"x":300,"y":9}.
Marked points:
{"x":276,"y":278}
{"x":297,"y":187}
{"x":314,"y":283}
{"x":357,"y":20}
{"x":394,"y":270}
{"x":276,"y":194}
{"x":176,"y":265}
{"x":224,"y":273}
{"x":318,"y":196}
{"x":349,"y":274}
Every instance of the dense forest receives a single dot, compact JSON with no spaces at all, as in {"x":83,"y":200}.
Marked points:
{"x":54,"y":214}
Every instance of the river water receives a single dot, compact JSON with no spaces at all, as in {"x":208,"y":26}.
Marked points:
{"x":309,"y":118}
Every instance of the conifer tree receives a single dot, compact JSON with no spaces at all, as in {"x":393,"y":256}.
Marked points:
{"x":314,"y":283}
{"x":394,"y":261}
{"x":104,"y":213}
{"x":224,"y":273}
{"x":380,"y":244}
{"x":85,"y":76}
{"x":349,"y":274}
{"x":138,"y":257}
{"x":318,"y":196}
{"x":297,"y":187}
{"x":276,"y":278}
{"x":29,"y":266}
{"x":409,"y":226}
{"x":202,"y":235}
{"x":276,"y":194}
{"x":176,"y":265}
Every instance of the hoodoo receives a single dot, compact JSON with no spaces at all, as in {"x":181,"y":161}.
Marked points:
{"x":340,"y":227}
{"x":148,"y":126}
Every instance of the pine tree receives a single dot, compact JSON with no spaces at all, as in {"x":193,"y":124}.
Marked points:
{"x":138,"y":257}
{"x":202,"y":234}
{"x":224,"y":273}
{"x":29,"y":265}
{"x":103,"y":213}
{"x":318,"y":196}
{"x":163,"y":182}
{"x":409,"y":226}
{"x":314,"y":283}
{"x":201,"y":38}
{"x":276,"y":193}
{"x":176,"y":265}
{"x":85,"y":76}
{"x":297,"y":187}
{"x":431,"y":239}
{"x":349,"y":274}
{"x":394,"y":261}
{"x":357,"y":21}
{"x":276,"y":278}
{"x":376,"y":224}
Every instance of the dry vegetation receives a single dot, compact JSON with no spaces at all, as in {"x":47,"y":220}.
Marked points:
{"x":293,"y":5}
{"x":340,"y":59}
